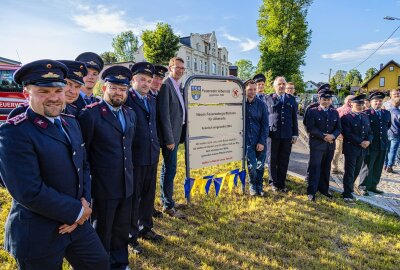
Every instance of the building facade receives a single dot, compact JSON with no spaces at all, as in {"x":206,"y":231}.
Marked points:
{"x":201,"y":54}
{"x":387,"y":78}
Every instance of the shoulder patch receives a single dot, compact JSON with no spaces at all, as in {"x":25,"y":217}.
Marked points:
{"x":17,"y":119}
{"x":92,"y":105}
{"x":69,"y":115}
{"x":72,"y":105}
{"x":126,"y":107}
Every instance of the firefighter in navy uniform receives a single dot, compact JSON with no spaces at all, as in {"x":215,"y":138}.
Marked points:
{"x":357,"y":136}
{"x":146,"y":153}
{"x":260,"y":79}
{"x":43,"y":164}
{"x":323,"y":126}
{"x":108,"y":129}
{"x":158,"y":77}
{"x":94,"y":65}
{"x":380,"y":121}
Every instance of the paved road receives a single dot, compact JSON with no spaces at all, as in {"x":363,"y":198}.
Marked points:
{"x":390,"y":183}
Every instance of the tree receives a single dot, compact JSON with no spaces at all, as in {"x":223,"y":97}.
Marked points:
{"x":284,"y":34}
{"x":160,"y":45}
{"x":370,"y":73}
{"x":350,"y":76}
{"x":245,"y":69}
{"x":356,"y":81}
{"x":109,"y":57}
{"x":339,"y":77}
{"x":299,"y":84}
{"x":333,"y":84}
{"x":125,"y":46}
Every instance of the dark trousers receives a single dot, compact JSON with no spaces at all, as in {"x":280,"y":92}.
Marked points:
{"x":352,"y":167}
{"x":167,"y":176}
{"x":371,"y":169}
{"x":85,"y":253}
{"x":319,"y":169}
{"x":143,"y":199}
{"x":112,"y":224}
{"x":279,"y":161}
{"x":255,"y":167}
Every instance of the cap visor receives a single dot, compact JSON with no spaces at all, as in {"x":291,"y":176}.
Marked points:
{"x":50,"y":84}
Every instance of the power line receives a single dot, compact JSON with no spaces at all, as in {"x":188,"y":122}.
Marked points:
{"x":380,"y":46}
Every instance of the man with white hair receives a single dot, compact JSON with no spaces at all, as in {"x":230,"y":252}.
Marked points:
{"x":283,"y":132}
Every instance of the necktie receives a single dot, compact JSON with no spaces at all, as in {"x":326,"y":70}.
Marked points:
{"x":146,"y":104}
{"x":282,"y":98}
{"x":57,"y":123}
{"x":378,"y":113}
{"x":88,"y":100}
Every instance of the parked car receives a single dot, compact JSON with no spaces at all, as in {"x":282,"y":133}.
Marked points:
{"x":312,"y":98}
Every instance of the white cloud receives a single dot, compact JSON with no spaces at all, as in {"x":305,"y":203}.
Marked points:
{"x":248,"y":45}
{"x":392,"y":46}
{"x":230,"y":37}
{"x":103,"y":20}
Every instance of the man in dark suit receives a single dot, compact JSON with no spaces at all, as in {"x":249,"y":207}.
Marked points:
{"x":146,"y":152}
{"x":323,"y":126}
{"x":380,"y":122}
{"x":171,"y":119}
{"x":357,"y":136}
{"x":283,"y":132}
{"x":95,"y":65}
{"x":43,"y":165}
{"x":108,"y":129}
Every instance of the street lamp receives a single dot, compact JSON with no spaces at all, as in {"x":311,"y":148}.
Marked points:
{"x":390,"y":18}
{"x":329,"y":75}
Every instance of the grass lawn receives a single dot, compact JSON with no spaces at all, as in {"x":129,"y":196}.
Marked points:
{"x":279,"y":231}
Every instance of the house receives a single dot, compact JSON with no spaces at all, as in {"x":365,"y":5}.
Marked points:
{"x":387,"y":78}
{"x":310,"y":86}
{"x":201,"y":54}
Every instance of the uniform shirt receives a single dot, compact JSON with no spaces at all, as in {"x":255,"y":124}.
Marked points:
{"x":119,"y":112}
{"x":256,"y":116}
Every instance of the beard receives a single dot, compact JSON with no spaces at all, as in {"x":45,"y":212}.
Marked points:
{"x":117,"y":101}
{"x":52,"y":109}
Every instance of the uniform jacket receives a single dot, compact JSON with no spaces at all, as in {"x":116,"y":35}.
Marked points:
{"x":379,"y":126}
{"x":256,"y":122}
{"x":46,"y":175}
{"x":80,"y":102}
{"x":146,"y":146}
{"x":109,"y":150}
{"x":355,"y":129}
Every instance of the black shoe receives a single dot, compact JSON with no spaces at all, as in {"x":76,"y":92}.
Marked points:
{"x":274,"y":189}
{"x":328,"y":195}
{"x":151,"y":235}
{"x":311,"y":198}
{"x":157,"y":214}
{"x":377,"y":191}
{"x":284,"y":190}
{"x":135,"y":247}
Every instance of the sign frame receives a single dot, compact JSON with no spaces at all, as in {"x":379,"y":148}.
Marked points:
{"x":186,"y":96}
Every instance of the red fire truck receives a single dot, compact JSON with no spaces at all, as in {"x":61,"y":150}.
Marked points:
{"x":10,"y":93}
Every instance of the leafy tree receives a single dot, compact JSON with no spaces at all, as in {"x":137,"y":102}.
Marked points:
{"x":245,"y":69}
{"x":349,"y":79}
{"x":356,"y":81}
{"x":299,"y":84}
{"x":125,"y":46}
{"x":370,"y":73}
{"x":339,"y":77}
{"x":160,"y":45}
{"x":284,"y":34}
{"x":333,"y":84}
{"x":109,"y":57}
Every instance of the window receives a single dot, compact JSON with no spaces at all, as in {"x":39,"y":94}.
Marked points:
{"x":205,"y":66}
{"x":222,"y":72}
{"x":224,"y":58}
{"x":201,"y":65}
{"x":381,"y":81}
{"x":188,"y":62}
{"x":214,"y":68}
{"x":391,"y":68}
{"x":398,"y":81}
{"x":197,"y":46}
{"x":195,"y":64}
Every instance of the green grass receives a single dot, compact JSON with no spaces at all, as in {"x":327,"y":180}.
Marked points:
{"x":279,"y":231}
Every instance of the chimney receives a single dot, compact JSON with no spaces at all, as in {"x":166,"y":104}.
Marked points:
{"x":233,"y":71}
{"x":381,"y":66}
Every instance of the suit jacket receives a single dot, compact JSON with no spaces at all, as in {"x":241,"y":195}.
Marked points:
{"x":170,"y":114}
{"x":394,"y":131}
{"x":146,"y":146}
{"x":318,"y":123}
{"x":355,"y":129}
{"x":282,"y":117}
{"x":379,"y":126}
{"x":109,"y":150}
{"x":46,"y":175}
{"x":81,"y":104}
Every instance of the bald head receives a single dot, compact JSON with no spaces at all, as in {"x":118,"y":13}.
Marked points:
{"x":280,"y":85}
{"x":347,"y":99}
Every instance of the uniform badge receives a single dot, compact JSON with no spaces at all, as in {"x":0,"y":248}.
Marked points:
{"x":93,"y":63}
{"x":50,"y":75}
{"x":78,"y":73}
{"x":120,"y":77}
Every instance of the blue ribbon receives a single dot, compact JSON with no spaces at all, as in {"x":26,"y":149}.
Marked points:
{"x":217,"y":185}
{"x":188,"y":186}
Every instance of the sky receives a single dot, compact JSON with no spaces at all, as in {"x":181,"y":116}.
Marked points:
{"x":344,"y":32}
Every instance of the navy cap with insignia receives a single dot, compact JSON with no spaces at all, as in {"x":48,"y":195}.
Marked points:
{"x":325,"y":86}
{"x":160,"y":70}
{"x":325,"y":93}
{"x":117,"y":74}
{"x":76,"y":70}
{"x":377,"y":95}
{"x":358,"y":99}
{"x":46,"y":73}
{"x":249,"y":81}
{"x":259,"y":78}
{"x":92,"y":60}
{"x":143,"y":68}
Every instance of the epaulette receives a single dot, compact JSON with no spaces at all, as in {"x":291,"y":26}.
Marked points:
{"x":68,"y":115}
{"x":126,"y":107}
{"x":92,"y":105}
{"x":17,"y":119}
{"x":72,"y":105}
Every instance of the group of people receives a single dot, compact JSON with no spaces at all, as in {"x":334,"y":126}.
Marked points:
{"x":82,"y":169}
{"x":367,"y":136}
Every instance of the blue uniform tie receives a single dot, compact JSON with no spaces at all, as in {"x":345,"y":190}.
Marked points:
{"x":146,"y":104}
{"x":57,"y":123}
{"x":117,"y":115}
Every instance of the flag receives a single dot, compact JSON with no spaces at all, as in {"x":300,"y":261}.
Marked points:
{"x":217,"y":185}
{"x":188,"y":186}
{"x":242,"y":177}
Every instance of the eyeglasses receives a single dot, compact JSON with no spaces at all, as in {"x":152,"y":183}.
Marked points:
{"x":178,"y":68}
{"x":117,"y":89}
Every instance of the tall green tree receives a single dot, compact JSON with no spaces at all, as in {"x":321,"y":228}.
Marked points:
{"x":370,"y":73}
{"x":125,"y":46}
{"x":350,"y":78}
{"x":299,"y":84}
{"x":285,"y":36}
{"x":160,"y":45}
{"x":109,"y":57}
{"x":245,"y":69}
{"x":339,"y":77}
